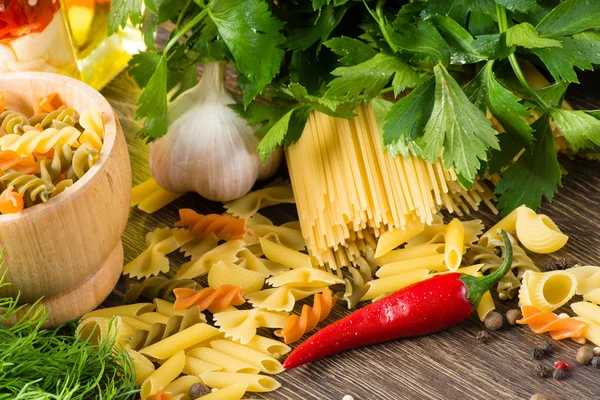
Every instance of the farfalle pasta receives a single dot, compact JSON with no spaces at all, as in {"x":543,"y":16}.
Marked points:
{"x":208,"y":298}
{"x":305,"y":277}
{"x":298,"y":325}
{"x":282,"y":298}
{"x":251,"y":262}
{"x":226,"y":252}
{"x":249,"y":204}
{"x":223,"y":273}
{"x":241,"y":325}
{"x":288,"y":234}
{"x":149,"y":197}
{"x":221,"y":225}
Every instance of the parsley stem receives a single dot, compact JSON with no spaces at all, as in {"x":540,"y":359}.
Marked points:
{"x":183,"y":11}
{"x":183,"y":30}
{"x":380,"y":18}
{"x":514,"y":63}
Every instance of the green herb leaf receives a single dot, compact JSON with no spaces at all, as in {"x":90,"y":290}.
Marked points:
{"x":553,"y":94}
{"x":121,"y":11}
{"x":421,"y":38}
{"x":143,"y":65}
{"x":152,"y":103}
{"x":503,"y":104}
{"x":525,"y":35}
{"x":351,"y":51}
{"x":479,"y":14}
{"x":457,"y":127}
{"x":460,"y":40}
{"x":492,"y":46}
{"x":405,"y":121}
{"x":535,"y":174}
{"x":248,"y":29}
{"x":570,"y":17}
{"x":581,"y":130}
{"x":573,"y":53}
{"x":326,"y":21}
{"x":371,"y":77}
{"x":524,"y":6}
{"x":278,"y":132}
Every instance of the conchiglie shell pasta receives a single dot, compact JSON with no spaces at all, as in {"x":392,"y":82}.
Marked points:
{"x":547,"y":291}
{"x":538,"y":233}
{"x":223,"y":273}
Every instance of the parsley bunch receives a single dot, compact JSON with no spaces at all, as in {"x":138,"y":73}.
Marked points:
{"x":458,"y":59}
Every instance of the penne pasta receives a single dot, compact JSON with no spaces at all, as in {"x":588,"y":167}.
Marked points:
{"x":271,"y":347}
{"x":232,"y":392}
{"x":389,"y":240}
{"x":593,"y":296}
{"x":587,"y":310}
{"x":507,"y":224}
{"x":132,"y":310}
{"x":180,"y":341}
{"x":454,"y":247}
{"x":227,"y":362}
{"x":143,"y":367}
{"x":166,"y":308}
{"x":195,"y":366}
{"x":154,"y":317}
{"x":382,"y":286}
{"x":284,"y":255}
{"x":486,"y":306}
{"x":409,"y":253}
{"x":181,"y":386}
{"x":433,"y":263}
{"x":136,"y":324}
{"x":163,"y":375}
{"x":265,"y":363}
{"x":255,"y":382}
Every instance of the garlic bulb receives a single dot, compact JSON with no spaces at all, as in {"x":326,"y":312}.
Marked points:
{"x":209,"y":148}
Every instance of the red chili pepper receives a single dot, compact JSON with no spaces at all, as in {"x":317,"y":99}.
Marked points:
{"x":562,"y":365}
{"x":419,"y":309}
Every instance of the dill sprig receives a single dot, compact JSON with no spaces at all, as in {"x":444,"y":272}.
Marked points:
{"x":57,"y":364}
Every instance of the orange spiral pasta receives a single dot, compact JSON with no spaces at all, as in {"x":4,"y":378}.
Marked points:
{"x":48,"y":103}
{"x":160,"y":395}
{"x":220,"y":225}
{"x":11,"y":160}
{"x":2,"y":103}
{"x":209,"y":298}
{"x":308,"y":319}
{"x":11,"y":202}
{"x":559,"y":328}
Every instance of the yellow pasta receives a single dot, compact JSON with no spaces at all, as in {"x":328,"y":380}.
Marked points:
{"x":389,"y":240}
{"x":593,"y":296}
{"x":436,"y":233}
{"x":305,"y":277}
{"x":194,"y":366}
{"x":153,"y":318}
{"x":96,"y":329}
{"x":251,"y":262}
{"x":154,"y":259}
{"x":181,"y":386}
{"x":143,"y":367}
{"x":508,"y":224}
{"x":454,"y":246}
{"x":40,"y":142}
{"x":232,"y":392}
{"x":199,"y":246}
{"x":547,"y":291}
{"x":588,"y":278}
{"x":246,"y":206}
{"x":150,"y":197}
{"x":486,"y":306}
{"x":271,"y":347}
{"x":587,"y":310}
{"x":288,"y":235}
{"x":242,"y":324}
{"x":163,"y":375}
{"x":383,"y":286}
{"x":179,"y":341}
{"x":130,"y":310}
{"x":282,"y":298}
{"x":136,"y":323}
{"x":265,"y":363}
{"x":255,"y":382}
{"x":538,"y":233}
{"x":409,"y":253}
{"x":166,"y":308}
{"x":227,"y":362}
{"x":226,"y":252}
{"x":433,"y":263}
{"x":92,"y":122}
{"x":223,"y":273}
{"x":284,"y":255}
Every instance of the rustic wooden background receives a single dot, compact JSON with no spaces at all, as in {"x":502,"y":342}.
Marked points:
{"x":447,"y":365}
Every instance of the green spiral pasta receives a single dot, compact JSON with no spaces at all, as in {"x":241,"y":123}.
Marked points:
{"x":83,"y":160}
{"x":158,"y":287}
{"x":32,"y":188}
{"x":61,"y":187}
{"x":66,"y":116}
{"x":13,"y":122}
{"x":51,"y":169}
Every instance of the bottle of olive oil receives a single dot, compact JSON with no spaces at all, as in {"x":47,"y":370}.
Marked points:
{"x":100,"y":57}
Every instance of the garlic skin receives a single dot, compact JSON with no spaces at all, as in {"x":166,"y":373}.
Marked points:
{"x":209,"y":148}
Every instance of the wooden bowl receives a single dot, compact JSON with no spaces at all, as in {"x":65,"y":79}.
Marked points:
{"x":69,"y":250}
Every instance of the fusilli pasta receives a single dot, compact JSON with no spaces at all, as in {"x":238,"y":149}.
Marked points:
{"x":157,"y":287}
{"x":36,"y":189}
{"x":41,"y":142}
{"x":66,"y":116}
{"x":93,"y":125}
{"x":13,"y":122}
{"x":11,"y":160}
{"x":220,"y":225}
{"x":209,"y":298}
{"x":546,"y":321}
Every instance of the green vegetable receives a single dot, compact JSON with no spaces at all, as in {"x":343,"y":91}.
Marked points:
{"x":55,"y":364}
{"x":460,"y":58}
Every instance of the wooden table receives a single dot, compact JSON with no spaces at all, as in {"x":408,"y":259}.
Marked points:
{"x":447,"y":365}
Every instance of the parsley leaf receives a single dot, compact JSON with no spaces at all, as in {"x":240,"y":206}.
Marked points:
{"x":406,"y":119}
{"x":143,"y":66}
{"x":570,"y":17}
{"x":286,"y":130}
{"x":524,"y":6}
{"x":121,"y":11}
{"x":581,"y":130}
{"x":486,"y":92}
{"x":457,"y":127}
{"x":152,"y":103}
{"x":492,"y":46}
{"x":248,"y":29}
{"x":580,"y":53}
{"x":525,"y":35}
{"x":326,"y":21}
{"x":352,"y":51}
{"x":553,"y":94}
{"x":459,"y":39}
{"x":421,"y":38}
{"x":480,"y":14}
{"x":535,"y":174}
{"x":371,"y":77}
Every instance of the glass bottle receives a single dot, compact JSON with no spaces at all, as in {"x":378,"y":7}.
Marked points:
{"x":34,"y":37}
{"x":100,"y":57}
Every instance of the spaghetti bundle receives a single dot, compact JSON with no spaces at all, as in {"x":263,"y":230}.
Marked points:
{"x":349,"y":190}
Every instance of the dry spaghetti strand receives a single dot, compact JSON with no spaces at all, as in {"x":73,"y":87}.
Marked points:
{"x":559,"y":328}
{"x":215,"y":299}
{"x":309,"y":318}
{"x":220,"y":225}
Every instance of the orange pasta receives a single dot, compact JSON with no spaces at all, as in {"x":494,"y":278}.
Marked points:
{"x":559,"y":328}
{"x":2,"y":102}
{"x":208,"y":298}
{"x":160,"y":395}
{"x":220,"y":225}
{"x":11,"y":160}
{"x":49,"y":103}
{"x":309,"y":318}
{"x":11,"y":202}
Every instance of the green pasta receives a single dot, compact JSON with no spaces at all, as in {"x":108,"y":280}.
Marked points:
{"x":66,"y":116}
{"x":13,"y":122}
{"x":158,"y":287}
{"x":33,"y":189}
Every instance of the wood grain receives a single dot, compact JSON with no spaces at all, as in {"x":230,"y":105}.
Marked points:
{"x":58,"y":249}
{"x":446,"y":365}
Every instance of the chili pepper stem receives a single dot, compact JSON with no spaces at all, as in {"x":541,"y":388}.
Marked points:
{"x":477,"y":286}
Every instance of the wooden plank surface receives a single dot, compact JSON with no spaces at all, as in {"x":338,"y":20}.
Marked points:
{"x":447,"y":365}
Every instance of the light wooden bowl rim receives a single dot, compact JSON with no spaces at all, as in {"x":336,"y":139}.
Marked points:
{"x":110,"y":134}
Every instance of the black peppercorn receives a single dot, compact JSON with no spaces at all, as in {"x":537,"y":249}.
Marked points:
{"x":547,"y":348}
{"x":538,"y":353}
{"x":559,"y":374}
{"x":542,"y":371}
{"x":482,"y":336}
{"x":596,"y":362}
{"x":558,"y":264}
{"x":494,"y":321}
{"x":198,"y":390}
